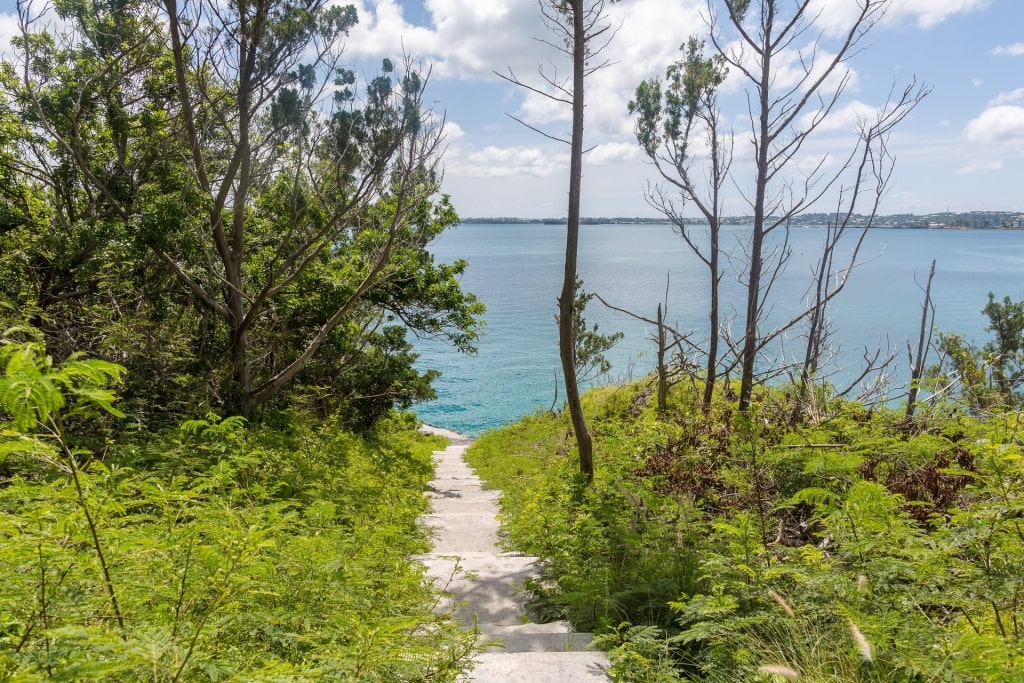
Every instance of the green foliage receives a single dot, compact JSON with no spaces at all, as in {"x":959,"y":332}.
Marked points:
{"x":220,"y":231}
{"x":990,"y":377}
{"x":589,"y":345}
{"x":33,"y":391}
{"x":1006,"y":351}
{"x":218,"y":551}
{"x":769,"y":549}
{"x":668,"y":115}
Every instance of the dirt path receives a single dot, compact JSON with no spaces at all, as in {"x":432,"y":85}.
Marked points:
{"x":484,"y":582}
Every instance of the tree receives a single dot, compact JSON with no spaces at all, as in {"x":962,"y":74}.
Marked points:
{"x":92,"y":137}
{"x":288,"y":210}
{"x":579,"y":24}
{"x":589,"y":344}
{"x":667,"y":124}
{"x":1005,"y":353}
{"x":924,"y":340}
{"x":784,"y":116}
{"x":991,"y":376}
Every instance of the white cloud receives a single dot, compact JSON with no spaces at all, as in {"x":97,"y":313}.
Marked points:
{"x":8,"y":29}
{"x":1007,"y":97}
{"x":977,"y":82}
{"x":453,"y":132}
{"x":612,"y":153}
{"x":538,"y":110}
{"x":846,"y":118}
{"x":1003,"y":124}
{"x":466,"y":39}
{"x":836,"y":15}
{"x":1015,"y":50}
{"x":498,"y":162}
{"x":930,"y":13}
{"x":981,"y":166}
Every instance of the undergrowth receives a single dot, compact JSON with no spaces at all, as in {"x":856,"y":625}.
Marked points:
{"x":768,"y":547}
{"x":220,"y":551}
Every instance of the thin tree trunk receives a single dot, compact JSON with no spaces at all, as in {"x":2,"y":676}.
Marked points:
{"x":711,"y":377}
{"x":917,"y":369}
{"x":816,"y":322}
{"x":662,"y":370}
{"x":763,"y":142}
{"x":566,"y":344}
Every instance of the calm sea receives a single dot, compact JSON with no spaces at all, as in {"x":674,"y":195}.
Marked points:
{"x":516,"y":270}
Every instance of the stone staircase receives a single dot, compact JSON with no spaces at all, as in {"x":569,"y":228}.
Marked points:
{"x":484,"y":583}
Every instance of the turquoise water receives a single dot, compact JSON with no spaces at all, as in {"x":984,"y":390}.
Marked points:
{"x":516,"y":270}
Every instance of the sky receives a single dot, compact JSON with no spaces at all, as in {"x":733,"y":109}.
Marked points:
{"x":961,"y":149}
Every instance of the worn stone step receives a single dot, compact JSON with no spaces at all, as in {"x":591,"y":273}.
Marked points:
{"x":465,"y":506}
{"x":553,"y":637}
{"x":455,"y":533}
{"x":486,"y":586}
{"x":539,"y":667}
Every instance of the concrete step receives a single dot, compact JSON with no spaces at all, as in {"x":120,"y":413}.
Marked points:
{"x":460,"y":491}
{"x":484,"y":586}
{"x":464,"y":505}
{"x":553,"y":637}
{"x":539,"y":667}
{"x":487,"y":586}
{"x":457,"y":533}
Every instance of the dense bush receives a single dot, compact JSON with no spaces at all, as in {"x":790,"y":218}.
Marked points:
{"x":219,"y":551}
{"x":859,"y":547}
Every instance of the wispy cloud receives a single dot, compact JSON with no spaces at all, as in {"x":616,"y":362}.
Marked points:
{"x":981,"y":166}
{"x":837,"y":14}
{"x":8,"y":29}
{"x":499,"y":162}
{"x":1007,"y":97}
{"x":846,"y":118}
{"x":1015,"y":50}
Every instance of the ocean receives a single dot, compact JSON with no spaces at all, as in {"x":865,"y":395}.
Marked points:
{"x":516,"y":270}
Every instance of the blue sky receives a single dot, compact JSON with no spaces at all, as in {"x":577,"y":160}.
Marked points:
{"x":961,"y":149}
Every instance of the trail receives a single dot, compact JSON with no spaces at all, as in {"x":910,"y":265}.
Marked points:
{"x":485,"y":583}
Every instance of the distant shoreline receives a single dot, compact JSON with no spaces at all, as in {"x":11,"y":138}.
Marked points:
{"x":975,"y":220}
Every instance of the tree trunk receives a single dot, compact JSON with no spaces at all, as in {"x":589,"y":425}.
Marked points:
{"x":662,"y":369}
{"x":711,"y":377}
{"x":566,"y":343}
{"x":763,"y":142}
{"x":917,"y":369}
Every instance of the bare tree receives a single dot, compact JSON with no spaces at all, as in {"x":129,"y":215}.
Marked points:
{"x":767,"y":36}
{"x":671,"y":350}
{"x":580,"y":24}
{"x":668,"y":127}
{"x":924,"y":341}
{"x":871,"y":178}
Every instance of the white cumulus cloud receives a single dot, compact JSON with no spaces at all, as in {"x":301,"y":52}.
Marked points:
{"x":836,"y":14}
{"x":465,"y":39}
{"x":453,"y":131}
{"x":612,"y":152}
{"x":1003,"y":124}
{"x":497,"y":162}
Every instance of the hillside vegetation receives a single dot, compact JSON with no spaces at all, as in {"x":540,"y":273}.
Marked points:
{"x":855,"y":546}
{"x":217,"y":551}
